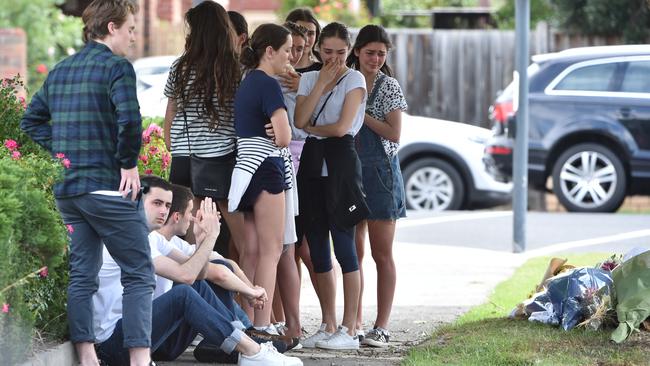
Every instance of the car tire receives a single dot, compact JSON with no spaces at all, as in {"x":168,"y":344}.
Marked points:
{"x":589,"y":178}
{"x":432,"y":184}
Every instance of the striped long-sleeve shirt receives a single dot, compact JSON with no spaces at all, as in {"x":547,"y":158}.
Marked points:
{"x":88,"y":110}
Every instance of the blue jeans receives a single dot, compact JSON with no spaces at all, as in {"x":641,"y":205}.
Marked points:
{"x":228,"y":299}
{"x":178,"y":315}
{"x":120,"y":225}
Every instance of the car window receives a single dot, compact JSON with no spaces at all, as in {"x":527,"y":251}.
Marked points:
{"x":637,"y":77}
{"x":589,"y":78}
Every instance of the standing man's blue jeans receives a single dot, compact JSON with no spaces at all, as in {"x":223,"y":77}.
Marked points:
{"x":118,"y":223}
{"x":178,"y":315}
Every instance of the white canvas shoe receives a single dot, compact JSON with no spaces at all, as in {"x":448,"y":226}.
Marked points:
{"x":340,"y":340}
{"x":321,"y":334}
{"x":268,"y":356}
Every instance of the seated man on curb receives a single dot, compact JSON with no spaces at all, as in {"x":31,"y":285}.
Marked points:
{"x":222,"y":275}
{"x":183,"y":311}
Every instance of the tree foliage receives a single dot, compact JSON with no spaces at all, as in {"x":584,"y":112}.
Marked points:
{"x":50,"y":34}
{"x":629,"y":19}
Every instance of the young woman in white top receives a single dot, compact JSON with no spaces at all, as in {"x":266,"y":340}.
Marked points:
{"x":377,"y":144}
{"x":330,"y":107}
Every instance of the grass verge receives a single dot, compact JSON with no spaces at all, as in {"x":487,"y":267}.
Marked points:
{"x":484,"y":336}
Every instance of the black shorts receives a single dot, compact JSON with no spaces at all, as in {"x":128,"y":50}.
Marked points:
{"x":179,"y":172}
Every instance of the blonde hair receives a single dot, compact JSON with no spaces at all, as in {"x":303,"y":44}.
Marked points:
{"x":99,"y":13}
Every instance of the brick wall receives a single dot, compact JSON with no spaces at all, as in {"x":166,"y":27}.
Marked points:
{"x":13,"y":54}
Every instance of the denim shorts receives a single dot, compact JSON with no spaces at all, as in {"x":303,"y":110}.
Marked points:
{"x":384,"y":189}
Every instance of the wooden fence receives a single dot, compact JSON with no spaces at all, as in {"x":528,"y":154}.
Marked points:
{"x":456,"y":74}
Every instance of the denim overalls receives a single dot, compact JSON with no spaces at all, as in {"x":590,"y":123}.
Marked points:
{"x":381,"y":174}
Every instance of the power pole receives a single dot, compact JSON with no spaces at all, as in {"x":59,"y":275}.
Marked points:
{"x":520,"y":164}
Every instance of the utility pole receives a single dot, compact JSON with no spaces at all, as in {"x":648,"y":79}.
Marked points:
{"x":520,"y":164}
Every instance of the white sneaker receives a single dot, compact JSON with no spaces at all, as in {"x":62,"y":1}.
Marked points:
{"x":197,"y":340}
{"x":321,"y":334}
{"x":340,"y":340}
{"x":268,"y":356}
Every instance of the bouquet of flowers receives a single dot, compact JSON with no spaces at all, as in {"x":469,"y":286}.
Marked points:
{"x":154,"y":157}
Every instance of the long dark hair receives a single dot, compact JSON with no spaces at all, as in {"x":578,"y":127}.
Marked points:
{"x":238,"y":22}
{"x":368,"y":34}
{"x":265,"y":35}
{"x":336,"y":30}
{"x":306,"y":15}
{"x":210,"y":57}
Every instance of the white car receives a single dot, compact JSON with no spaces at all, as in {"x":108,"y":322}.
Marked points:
{"x":441,"y":160}
{"x":442,"y":166}
{"x":151,"y":76}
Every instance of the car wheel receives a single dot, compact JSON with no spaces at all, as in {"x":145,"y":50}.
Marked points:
{"x":432,"y":184}
{"x":589,"y":178}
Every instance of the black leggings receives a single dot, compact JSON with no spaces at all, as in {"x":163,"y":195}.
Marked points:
{"x":318,"y":238}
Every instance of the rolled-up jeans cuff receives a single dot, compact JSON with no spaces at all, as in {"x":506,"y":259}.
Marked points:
{"x":232,"y":341}
{"x":237,"y":324}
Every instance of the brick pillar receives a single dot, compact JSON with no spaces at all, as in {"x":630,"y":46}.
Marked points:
{"x":13,"y":54}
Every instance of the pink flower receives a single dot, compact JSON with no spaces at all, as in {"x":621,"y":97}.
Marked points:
{"x":41,"y":69}
{"x":15,"y":155}
{"x":43,"y":272}
{"x":22,"y":102}
{"x":316,"y":9}
{"x":153,"y":150}
{"x":155,"y":129}
{"x":338,"y":5}
{"x":69,"y":228}
{"x":11,"y":144}
{"x":5,"y":308}
{"x":166,"y":159}
{"x":66,"y":163}
{"x":148,"y":172}
{"x":146,"y":140}
{"x":144,"y":159}
{"x":60,"y":155}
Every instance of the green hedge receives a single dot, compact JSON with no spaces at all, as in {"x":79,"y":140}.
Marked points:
{"x":33,"y":239}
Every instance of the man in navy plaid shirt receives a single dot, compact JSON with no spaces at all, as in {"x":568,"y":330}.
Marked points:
{"x":87,"y":110}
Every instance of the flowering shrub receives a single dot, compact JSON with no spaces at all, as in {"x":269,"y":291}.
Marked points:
{"x":154,"y":157}
{"x":33,"y":239}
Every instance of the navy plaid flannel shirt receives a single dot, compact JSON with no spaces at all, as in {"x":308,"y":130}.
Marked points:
{"x":88,"y":110}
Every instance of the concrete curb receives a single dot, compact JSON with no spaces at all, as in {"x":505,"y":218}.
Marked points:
{"x":61,"y":355}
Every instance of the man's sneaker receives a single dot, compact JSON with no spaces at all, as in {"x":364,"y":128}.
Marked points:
{"x":197,"y":340}
{"x":377,"y":337}
{"x":268,"y":356}
{"x":206,"y":352}
{"x":340,"y":340}
{"x":321,"y":334}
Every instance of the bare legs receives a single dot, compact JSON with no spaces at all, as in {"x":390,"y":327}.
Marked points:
{"x":381,"y":234}
{"x":289,"y":285}
{"x":269,"y":227}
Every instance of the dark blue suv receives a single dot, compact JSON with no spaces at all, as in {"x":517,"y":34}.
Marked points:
{"x":589,"y":126}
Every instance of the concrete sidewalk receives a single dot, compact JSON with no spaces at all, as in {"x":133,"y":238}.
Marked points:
{"x":435,"y":285}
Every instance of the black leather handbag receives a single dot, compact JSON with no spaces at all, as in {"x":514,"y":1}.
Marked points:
{"x":210,"y":177}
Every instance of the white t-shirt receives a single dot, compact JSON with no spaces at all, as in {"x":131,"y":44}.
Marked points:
{"x":163,"y":247}
{"x":107,"y":301}
{"x":332,"y":111}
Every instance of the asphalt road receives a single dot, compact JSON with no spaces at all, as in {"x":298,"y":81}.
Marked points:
{"x":546,"y":233}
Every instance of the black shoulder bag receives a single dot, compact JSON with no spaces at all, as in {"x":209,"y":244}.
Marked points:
{"x":210,"y":177}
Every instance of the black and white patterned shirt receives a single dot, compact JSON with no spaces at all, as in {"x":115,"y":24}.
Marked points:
{"x":389,"y":98}
{"x":204,"y":142}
